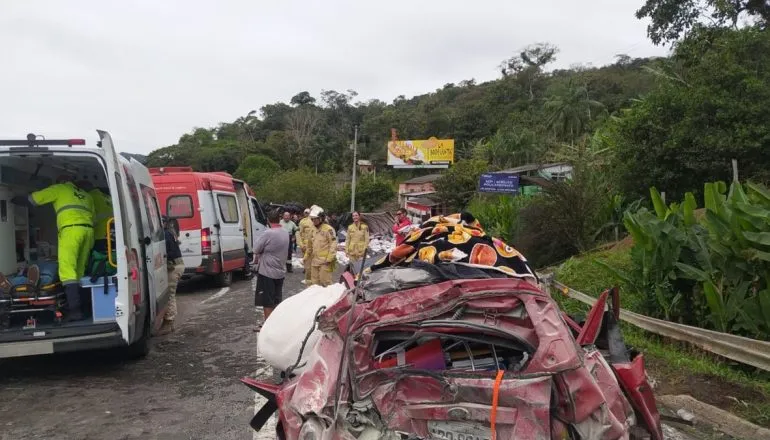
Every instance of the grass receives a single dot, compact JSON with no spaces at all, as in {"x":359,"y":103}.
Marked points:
{"x":676,"y":368}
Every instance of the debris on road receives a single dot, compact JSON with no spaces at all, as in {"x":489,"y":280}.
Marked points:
{"x":685,"y":415}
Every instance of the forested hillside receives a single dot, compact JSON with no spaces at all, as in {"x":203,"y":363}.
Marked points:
{"x":673,"y":123}
{"x":517,"y":118}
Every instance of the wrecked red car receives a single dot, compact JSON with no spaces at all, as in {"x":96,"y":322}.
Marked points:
{"x":433,"y":352}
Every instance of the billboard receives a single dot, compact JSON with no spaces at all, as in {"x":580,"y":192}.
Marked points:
{"x":500,"y":183}
{"x":427,"y":153}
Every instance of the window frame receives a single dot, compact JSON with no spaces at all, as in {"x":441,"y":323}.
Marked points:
{"x":181,"y":196}
{"x":155,"y":221}
{"x":222,"y":213}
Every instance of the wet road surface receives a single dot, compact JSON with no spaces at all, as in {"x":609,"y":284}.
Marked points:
{"x":186,"y":388}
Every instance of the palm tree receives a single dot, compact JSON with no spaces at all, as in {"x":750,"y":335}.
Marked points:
{"x":571,"y":112}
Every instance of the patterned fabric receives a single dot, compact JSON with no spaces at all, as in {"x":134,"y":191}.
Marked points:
{"x":448,"y":239}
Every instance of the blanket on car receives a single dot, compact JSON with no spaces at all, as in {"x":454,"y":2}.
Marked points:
{"x":459,"y":239}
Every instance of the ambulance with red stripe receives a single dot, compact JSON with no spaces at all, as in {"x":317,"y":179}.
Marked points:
{"x":218,"y":218}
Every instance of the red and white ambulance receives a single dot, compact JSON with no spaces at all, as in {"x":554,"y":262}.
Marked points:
{"x":218,"y":216}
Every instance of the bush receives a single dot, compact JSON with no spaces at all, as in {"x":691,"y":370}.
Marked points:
{"x":257,"y":169}
{"x":457,"y":186}
{"x":711,"y":271}
{"x":561,"y":221}
{"x":499,"y":215}
{"x":302,"y":186}
{"x":371,"y":193}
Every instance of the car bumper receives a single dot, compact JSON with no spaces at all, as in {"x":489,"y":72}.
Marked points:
{"x":60,"y":340}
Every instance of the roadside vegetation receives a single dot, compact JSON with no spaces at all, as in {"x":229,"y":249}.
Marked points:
{"x":675,"y":368}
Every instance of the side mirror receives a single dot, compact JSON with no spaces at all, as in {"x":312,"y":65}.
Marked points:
{"x":147,"y":241}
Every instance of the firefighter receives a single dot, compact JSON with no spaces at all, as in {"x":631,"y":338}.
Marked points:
{"x":75,"y":222}
{"x":304,"y":236}
{"x":357,"y":241}
{"x":102,"y":214}
{"x":323,"y":248}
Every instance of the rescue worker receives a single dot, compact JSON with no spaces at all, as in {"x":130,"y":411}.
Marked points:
{"x":357,"y":241}
{"x":304,"y":236}
{"x":323,"y":248}
{"x":75,"y":221}
{"x":102,"y":214}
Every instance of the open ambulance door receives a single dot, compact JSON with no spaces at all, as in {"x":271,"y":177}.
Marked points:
{"x":127,"y":255}
{"x":153,"y":241}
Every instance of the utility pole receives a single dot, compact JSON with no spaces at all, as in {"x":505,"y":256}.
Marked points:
{"x":355,"y":165}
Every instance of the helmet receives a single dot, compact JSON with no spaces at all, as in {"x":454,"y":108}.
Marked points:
{"x":316,"y":211}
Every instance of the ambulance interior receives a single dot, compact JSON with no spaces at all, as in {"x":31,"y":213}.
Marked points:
{"x":34,"y":232}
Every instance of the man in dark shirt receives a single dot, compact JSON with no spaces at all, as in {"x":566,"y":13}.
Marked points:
{"x":175,"y":267}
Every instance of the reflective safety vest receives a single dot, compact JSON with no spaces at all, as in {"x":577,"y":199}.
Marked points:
{"x":357,"y":240}
{"x":102,"y":212}
{"x":324,"y":245}
{"x":73,"y":206}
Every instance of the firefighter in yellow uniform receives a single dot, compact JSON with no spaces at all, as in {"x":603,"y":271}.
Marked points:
{"x":102,"y":214}
{"x":357,"y":241}
{"x":75,"y":222}
{"x":323,"y":249}
{"x":304,"y":236}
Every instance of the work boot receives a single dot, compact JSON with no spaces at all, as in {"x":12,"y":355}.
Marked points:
{"x":33,"y":278}
{"x":166,"y":328}
{"x":74,"y":312}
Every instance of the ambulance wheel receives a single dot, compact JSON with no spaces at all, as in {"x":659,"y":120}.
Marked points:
{"x":224,"y":279}
{"x":141,"y":347}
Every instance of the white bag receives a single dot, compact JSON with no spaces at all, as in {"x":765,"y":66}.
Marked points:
{"x":282,"y":334}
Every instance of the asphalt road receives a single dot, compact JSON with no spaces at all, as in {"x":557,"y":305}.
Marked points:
{"x":187,"y":388}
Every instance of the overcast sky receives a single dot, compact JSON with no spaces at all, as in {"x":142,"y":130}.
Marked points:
{"x":149,"y":71}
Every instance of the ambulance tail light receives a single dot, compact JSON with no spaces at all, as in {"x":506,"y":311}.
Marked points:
{"x":134,"y":283}
{"x":205,"y":241}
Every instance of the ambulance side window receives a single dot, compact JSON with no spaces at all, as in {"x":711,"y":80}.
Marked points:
{"x":134,"y":196}
{"x":258,"y":213}
{"x":151,"y":204}
{"x":228,"y":207}
{"x":179,"y":206}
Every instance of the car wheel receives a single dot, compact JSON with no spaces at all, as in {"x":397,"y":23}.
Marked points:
{"x":224,"y":279}
{"x":140,"y":348}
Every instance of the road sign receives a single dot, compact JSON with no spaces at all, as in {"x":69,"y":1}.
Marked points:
{"x":500,"y":183}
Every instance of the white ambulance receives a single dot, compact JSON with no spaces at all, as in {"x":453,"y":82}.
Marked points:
{"x":122,"y":309}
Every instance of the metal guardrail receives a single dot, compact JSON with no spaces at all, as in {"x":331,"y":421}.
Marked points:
{"x":744,"y":350}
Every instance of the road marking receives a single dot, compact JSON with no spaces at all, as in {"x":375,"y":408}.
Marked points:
{"x":217,"y":295}
{"x":268,"y":430}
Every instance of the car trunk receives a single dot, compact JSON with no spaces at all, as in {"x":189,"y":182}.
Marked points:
{"x":454,"y":359}
{"x":30,"y":236}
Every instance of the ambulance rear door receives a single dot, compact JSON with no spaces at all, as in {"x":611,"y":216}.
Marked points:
{"x":127,"y":247}
{"x":154,"y":240}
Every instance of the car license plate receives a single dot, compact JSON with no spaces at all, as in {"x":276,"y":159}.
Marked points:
{"x":441,"y":430}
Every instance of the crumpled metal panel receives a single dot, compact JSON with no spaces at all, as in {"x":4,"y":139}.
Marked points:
{"x":523,"y":408}
{"x":315,"y":387}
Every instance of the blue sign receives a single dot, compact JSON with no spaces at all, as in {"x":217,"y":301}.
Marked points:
{"x":501,"y":183}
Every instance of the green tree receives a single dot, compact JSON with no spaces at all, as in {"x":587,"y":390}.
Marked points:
{"x":711,"y":110}
{"x":571,"y":112}
{"x":458,"y":184}
{"x":256,"y":170}
{"x":670,"y":19}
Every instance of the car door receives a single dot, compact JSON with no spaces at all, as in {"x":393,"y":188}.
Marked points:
{"x":230,"y":230}
{"x":154,"y":238}
{"x":126,"y":247}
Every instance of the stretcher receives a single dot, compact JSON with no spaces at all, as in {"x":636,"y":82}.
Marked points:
{"x":34,"y":295}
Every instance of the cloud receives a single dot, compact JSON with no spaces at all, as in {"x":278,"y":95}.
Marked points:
{"x":149,"y":71}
